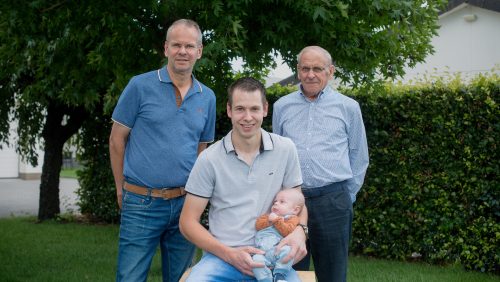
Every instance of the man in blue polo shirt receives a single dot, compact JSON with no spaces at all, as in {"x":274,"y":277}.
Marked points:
{"x":163,"y":120}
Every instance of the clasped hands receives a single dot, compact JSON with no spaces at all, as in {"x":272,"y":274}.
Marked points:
{"x":241,"y":257}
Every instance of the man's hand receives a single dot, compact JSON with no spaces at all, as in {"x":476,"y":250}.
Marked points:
{"x":297,"y":242}
{"x":117,"y":142}
{"x":119,"y":197}
{"x":241,"y":258}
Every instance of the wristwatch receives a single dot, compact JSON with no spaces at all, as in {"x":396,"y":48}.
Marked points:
{"x":306,"y":230}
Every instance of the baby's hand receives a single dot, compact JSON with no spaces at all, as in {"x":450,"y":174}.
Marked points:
{"x":273,"y":217}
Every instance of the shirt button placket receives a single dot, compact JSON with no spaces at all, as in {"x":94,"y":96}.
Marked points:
{"x":310,"y":122}
{"x":250,"y":176}
{"x":309,"y":140}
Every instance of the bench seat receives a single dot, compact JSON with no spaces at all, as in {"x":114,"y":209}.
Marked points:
{"x":305,"y":276}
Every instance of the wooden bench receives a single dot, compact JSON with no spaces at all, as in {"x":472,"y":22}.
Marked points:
{"x":305,"y":276}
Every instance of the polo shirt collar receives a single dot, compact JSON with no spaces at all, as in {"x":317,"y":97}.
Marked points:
{"x":164,"y":77}
{"x":266,"y":143}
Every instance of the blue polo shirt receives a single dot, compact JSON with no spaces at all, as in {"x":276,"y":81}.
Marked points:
{"x":163,"y":141}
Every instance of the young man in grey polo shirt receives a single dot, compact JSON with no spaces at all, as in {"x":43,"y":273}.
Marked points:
{"x":240,"y":175}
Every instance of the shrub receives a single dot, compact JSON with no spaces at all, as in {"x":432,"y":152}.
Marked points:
{"x":97,"y":190}
{"x":432,"y":187}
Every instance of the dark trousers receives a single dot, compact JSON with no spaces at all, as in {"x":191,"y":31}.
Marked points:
{"x":330,"y":223}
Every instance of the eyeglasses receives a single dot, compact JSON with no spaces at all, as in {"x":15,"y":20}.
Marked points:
{"x":316,"y":70}
{"x":188,"y":47}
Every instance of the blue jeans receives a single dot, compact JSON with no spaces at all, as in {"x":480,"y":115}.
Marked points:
{"x":212,"y":269}
{"x":147,"y":222}
{"x":330,"y":215}
{"x":265,"y":274}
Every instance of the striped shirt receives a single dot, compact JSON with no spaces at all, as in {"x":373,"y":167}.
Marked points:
{"x":329,"y":135}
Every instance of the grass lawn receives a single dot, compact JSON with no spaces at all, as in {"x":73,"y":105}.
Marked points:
{"x":68,"y":173}
{"x":54,"y":251}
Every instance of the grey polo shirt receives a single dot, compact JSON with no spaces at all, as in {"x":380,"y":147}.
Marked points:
{"x":239,"y":193}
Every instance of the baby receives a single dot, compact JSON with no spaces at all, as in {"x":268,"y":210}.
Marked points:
{"x":271,"y":228}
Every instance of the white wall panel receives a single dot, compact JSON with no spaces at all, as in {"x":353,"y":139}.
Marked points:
{"x":9,"y":162}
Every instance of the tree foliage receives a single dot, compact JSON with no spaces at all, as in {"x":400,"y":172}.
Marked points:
{"x":65,"y":62}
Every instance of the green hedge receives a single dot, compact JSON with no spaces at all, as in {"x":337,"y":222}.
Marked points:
{"x":97,"y":189}
{"x":432,"y":187}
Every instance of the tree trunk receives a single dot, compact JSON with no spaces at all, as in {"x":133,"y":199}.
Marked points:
{"x":49,"y":185}
{"x":55,"y":134}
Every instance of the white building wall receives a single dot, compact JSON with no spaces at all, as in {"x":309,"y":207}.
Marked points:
{"x":468,"y":42}
{"x":9,"y":159}
{"x":27,"y":171}
{"x":11,"y":163}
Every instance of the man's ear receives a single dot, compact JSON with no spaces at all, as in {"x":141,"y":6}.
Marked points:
{"x":165,"y":47}
{"x":200,"y":52}
{"x":228,"y":110}
{"x":332,"y":71}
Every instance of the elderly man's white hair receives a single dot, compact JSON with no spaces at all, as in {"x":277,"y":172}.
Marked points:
{"x":325,"y":53}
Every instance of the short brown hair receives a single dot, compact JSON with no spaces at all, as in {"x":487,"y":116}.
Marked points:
{"x":247,"y":84}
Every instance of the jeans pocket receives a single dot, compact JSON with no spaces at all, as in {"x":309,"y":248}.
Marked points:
{"x":133,"y":200}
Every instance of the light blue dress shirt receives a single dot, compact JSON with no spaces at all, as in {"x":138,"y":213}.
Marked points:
{"x":329,"y":135}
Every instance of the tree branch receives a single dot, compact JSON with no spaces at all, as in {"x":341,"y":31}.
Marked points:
{"x":53,"y":7}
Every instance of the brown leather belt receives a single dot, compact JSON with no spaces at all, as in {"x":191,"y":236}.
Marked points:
{"x":165,"y":193}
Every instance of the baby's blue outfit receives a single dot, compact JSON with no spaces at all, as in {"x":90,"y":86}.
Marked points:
{"x":266,"y":240}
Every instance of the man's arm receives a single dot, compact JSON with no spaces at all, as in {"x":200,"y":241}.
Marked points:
{"x":358,"y":152}
{"x":277,"y":127}
{"x":202,"y":146}
{"x":191,"y":228}
{"x":117,"y":143}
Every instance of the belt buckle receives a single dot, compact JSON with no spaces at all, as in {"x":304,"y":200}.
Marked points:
{"x":164,"y":193}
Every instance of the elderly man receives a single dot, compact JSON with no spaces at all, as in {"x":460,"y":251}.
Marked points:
{"x":327,"y":128}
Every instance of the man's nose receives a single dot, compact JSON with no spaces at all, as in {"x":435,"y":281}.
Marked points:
{"x":248,"y":115}
{"x":311,"y":74}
